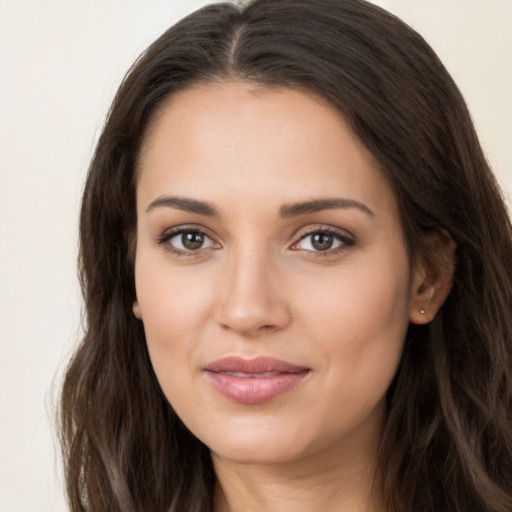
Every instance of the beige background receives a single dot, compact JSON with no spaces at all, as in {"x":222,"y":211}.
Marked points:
{"x":60,"y":63}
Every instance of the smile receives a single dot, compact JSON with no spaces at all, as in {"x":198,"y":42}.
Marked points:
{"x":254,"y":381}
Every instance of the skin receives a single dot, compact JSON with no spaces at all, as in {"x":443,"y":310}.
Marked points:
{"x":258,"y":286}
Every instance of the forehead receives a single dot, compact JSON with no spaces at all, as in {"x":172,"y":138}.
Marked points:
{"x":237,"y":139}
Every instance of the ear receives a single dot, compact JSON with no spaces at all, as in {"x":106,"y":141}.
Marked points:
{"x":432,"y":277}
{"x":136,"y":310}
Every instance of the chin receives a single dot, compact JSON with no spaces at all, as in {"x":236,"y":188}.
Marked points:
{"x":255,"y":446}
{"x":256,"y":453}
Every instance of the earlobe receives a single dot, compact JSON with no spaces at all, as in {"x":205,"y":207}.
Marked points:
{"x":136,"y":310}
{"x":433,"y":278}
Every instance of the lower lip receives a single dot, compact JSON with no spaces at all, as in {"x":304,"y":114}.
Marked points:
{"x":255,"y":390}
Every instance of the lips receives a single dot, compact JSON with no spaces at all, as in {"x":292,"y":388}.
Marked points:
{"x":254,"y":381}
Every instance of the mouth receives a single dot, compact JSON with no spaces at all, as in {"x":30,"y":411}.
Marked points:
{"x":254,"y":381}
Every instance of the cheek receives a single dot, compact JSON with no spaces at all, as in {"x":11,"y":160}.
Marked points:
{"x":170,"y":295}
{"x":175,"y":305}
{"x":361,"y":322}
{"x":367,"y":296}
{"x":357,"y":330}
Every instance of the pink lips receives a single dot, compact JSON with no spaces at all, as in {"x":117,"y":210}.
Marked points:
{"x":253,"y":381}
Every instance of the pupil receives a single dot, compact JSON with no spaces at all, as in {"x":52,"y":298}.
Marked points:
{"x":192,"y":241}
{"x":322,"y":241}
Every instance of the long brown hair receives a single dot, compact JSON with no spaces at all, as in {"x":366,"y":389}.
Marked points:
{"x":447,"y":438}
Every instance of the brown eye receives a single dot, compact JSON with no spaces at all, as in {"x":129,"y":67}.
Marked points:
{"x":322,"y":241}
{"x":192,"y":240}
{"x":183,"y":241}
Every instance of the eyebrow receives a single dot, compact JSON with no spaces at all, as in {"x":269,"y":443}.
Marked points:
{"x":185,"y":204}
{"x":316,"y":205}
{"x":286,"y":211}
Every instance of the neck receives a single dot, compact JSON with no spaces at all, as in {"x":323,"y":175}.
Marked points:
{"x":335,"y":481}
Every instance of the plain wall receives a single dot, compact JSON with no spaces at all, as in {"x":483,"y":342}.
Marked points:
{"x":60,"y":64}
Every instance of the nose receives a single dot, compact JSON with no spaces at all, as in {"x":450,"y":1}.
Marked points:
{"x":252,"y":299}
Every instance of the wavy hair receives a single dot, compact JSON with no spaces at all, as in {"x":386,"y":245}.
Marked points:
{"x":447,"y":439}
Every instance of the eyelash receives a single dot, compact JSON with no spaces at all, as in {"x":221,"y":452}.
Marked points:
{"x":346,"y":241}
{"x":169,"y":235}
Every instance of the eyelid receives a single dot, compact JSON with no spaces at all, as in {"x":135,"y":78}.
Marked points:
{"x":345,"y":237}
{"x":170,"y":233}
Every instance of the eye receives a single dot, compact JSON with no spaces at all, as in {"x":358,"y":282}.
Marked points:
{"x":324,"y":241}
{"x":186,"y":240}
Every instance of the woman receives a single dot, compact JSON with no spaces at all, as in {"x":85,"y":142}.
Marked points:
{"x":297,"y":272}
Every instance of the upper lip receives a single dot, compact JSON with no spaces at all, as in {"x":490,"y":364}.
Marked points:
{"x":256,"y":365}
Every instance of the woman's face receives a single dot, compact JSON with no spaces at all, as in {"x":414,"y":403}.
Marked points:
{"x":271,"y":273}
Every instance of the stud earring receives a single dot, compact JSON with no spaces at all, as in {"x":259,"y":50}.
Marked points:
{"x":422,"y":311}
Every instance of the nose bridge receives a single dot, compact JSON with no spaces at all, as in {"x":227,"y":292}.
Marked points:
{"x":252,"y":300}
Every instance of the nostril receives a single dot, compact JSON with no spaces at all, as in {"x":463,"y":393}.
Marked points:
{"x":248,"y":330}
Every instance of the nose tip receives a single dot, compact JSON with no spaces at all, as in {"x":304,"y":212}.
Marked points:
{"x":253,"y":302}
{"x":248,"y":326}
